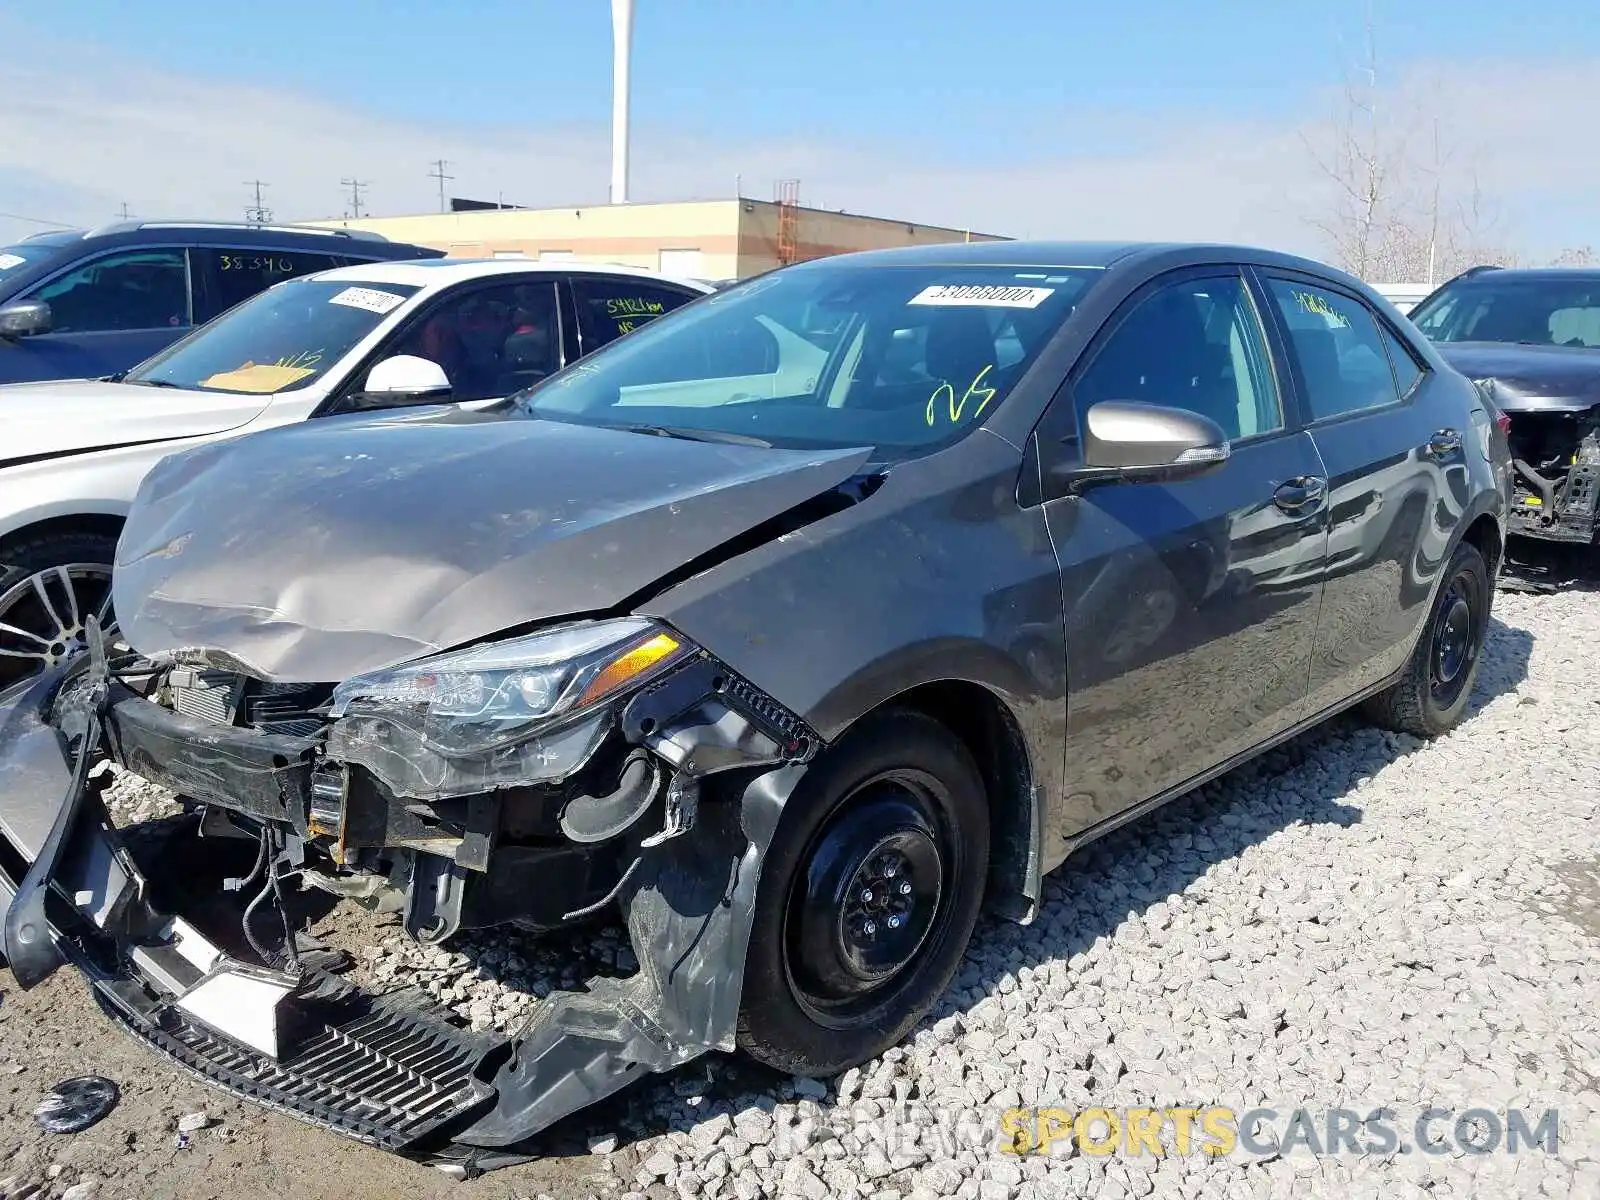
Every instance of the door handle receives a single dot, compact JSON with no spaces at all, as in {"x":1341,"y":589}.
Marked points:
{"x":1443,"y":443}
{"x":1297,"y":495}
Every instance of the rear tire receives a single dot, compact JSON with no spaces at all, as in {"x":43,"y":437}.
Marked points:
{"x":1430,"y":697}
{"x":869,"y":894}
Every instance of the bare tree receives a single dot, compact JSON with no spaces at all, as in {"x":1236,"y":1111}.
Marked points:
{"x":1575,"y":256}
{"x":1404,"y":204}
{"x":1364,"y":164}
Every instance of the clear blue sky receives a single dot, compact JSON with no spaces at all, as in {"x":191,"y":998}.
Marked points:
{"x":962,"y":75}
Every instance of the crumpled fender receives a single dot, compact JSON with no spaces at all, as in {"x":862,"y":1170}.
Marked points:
{"x":688,"y":914}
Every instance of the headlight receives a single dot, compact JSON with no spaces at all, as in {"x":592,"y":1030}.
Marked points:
{"x":520,"y":711}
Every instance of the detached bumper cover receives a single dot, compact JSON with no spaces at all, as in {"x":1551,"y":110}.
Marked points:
{"x":389,"y":1070}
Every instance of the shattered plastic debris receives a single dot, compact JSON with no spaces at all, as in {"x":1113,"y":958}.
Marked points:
{"x":75,"y":1104}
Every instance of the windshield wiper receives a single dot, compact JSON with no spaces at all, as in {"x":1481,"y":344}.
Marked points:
{"x":697,"y":435}
{"x":166,"y":383}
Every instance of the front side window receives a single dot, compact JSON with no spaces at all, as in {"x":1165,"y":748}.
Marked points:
{"x":491,"y":341}
{"x":1541,"y":311}
{"x":1196,"y":345}
{"x":609,"y":308}
{"x":282,"y":339}
{"x":235,"y":275}
{"x":139,"y":289}
{"x":1344,"y":366}
{"x":832,"y":354}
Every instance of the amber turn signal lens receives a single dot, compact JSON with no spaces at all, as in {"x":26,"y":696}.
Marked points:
{"x":630,"y":665}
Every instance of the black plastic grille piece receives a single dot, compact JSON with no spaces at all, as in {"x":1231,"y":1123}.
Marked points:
{"x":383,"y":1074}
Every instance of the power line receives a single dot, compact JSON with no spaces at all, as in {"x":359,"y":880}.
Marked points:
{"x":439,"y":165}
{"x":258,"y":212}
{"x":36,"y":220}
{"x":355,"y":186}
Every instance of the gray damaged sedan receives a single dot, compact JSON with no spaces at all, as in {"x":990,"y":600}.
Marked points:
{"x":792,"y":629}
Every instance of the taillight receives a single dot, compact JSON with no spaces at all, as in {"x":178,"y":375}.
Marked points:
{"x":1504,"y":421}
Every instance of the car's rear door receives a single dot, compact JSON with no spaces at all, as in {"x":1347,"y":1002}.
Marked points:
{"x":608,"y":306}
{"x":1190,"y":605}
{"x":225,"y":275}
{"x":1389,"y":444}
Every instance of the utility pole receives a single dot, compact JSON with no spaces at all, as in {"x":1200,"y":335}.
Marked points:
{"x":621,"y":80}
{"x":123,"y":211}
{"x":439,"y":165}
{"x":257,"y":213}
{"x":355,"y":186}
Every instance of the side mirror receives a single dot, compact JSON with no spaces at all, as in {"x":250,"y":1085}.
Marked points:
{"x":405,"y":379}
{"x":24,"y":318}
{"x":1125,"y":440}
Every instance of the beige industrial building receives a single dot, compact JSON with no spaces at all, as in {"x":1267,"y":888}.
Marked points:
{"x":710,"y":239}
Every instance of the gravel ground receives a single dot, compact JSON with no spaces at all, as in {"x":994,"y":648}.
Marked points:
{"x":1358,"y":920}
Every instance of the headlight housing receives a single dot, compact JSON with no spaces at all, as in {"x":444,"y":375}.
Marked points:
{"x":520,"y":711}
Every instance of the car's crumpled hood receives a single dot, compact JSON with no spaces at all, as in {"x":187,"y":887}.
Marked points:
{"x":83,"y":414}
{"x":318,"y":551}
{"x":1526,"y":378}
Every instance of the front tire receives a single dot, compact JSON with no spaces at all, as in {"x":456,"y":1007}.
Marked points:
{"x":1430,"y":697}
{"x":49,"y":585}
{"x":869,"y":894}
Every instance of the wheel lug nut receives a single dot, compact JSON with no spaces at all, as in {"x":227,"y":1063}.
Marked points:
{"x":870,"y":928}
{"x":866,"y":896}
{"x":894,"y":922}
{"x":905,"y":888}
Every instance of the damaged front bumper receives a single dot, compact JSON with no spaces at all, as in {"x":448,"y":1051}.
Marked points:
{"x":391,"y":1069}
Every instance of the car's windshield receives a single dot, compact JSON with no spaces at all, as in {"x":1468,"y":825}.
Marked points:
{"x":1536,"y":312}
{"x":281,"y":339}
{"x":23,"y":255}
{"x":828,"y":355}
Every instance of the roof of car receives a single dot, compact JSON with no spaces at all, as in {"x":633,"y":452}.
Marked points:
{"x":350,"y":242}
{"x":1544,"y":274}
{"x":436,"y":272}
{"x":1064,"y":254}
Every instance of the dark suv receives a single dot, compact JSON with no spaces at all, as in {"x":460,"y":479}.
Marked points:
{"x":1530,"y":339}
{"x":82,"y":304}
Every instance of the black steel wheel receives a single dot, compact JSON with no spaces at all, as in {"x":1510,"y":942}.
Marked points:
{"x":1430,"y":697}
{"x":868,"y":896}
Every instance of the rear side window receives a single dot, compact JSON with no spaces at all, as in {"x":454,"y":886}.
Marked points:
{"x":1344,"y":366}
{"x":1406,"y":369}
{"x":234,"y":275}
{"x":609,"y":308}
{"x":136,"y":289}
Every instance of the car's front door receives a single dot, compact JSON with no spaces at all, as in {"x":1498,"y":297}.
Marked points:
{"x":1190,"y":605}
{"x":108,"y":314}
{"x":492,"y":337}
{"x":1389,"y":455}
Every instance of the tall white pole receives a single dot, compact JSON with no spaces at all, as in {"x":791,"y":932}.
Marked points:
{"x":622,"y":44}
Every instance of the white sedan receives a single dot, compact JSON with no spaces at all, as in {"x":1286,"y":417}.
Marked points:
{"x":72,"y":453}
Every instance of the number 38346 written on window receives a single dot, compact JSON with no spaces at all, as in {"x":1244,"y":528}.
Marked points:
{"x":256,"y":262}
{"x":944,"y":399}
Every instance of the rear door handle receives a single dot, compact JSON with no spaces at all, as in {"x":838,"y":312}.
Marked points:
{"x":1298,"y":495}
{"x":1443,"y":443}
